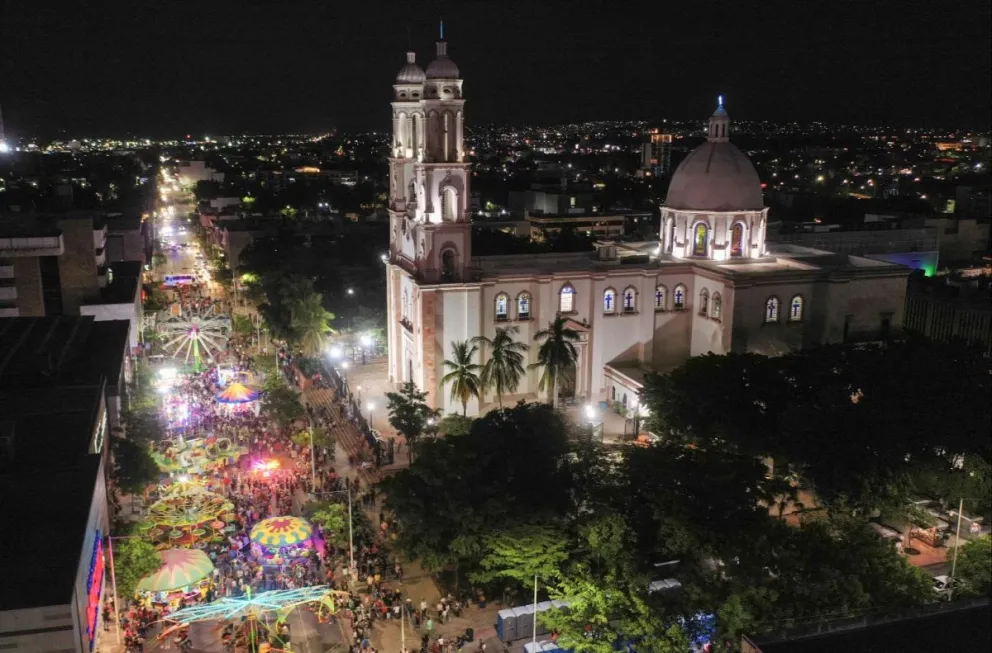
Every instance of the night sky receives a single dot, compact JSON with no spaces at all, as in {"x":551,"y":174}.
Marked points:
{"x":164,"y":68}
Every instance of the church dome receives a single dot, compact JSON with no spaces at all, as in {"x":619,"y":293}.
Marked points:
{"x":411,"y":73}
{"x":716,"y":176}
{"x":442,"y":67}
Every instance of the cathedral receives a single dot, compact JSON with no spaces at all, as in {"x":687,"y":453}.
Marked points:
{"x":710,"y":284}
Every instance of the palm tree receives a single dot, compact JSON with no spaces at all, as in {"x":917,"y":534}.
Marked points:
{"x":557,"y":355}
{"x":505,"y":367}
{"x":310,"y":322}
{"x":463,"y":373}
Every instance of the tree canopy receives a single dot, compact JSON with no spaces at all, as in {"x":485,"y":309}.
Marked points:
{"x":519,"y":495}
{"x":409,"y":413}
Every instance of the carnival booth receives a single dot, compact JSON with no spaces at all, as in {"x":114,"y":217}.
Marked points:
{"x":278,"y":540}
{"x":184,"y":574}
{"x":238,"y":398}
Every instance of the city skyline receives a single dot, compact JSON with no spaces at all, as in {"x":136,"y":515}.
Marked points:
{"x":164,"y":71}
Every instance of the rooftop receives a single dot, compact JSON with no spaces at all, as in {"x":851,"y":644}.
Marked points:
{"x":43,"y":352}
{"x":50,"y":520}
{"x":52,"y":428}
{"x":967,"y":629}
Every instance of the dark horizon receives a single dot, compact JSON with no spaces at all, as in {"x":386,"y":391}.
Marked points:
{"x":164,"y":70}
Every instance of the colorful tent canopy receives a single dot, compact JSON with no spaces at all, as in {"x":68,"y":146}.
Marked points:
{"x":237,"y":393}
{"x":276,"y":532}
{"x":180,"y":568}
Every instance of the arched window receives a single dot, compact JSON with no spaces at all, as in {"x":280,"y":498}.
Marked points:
{"x":660,"y":296}
{"x":609,"y":301}
{"x":704,"y":302}
{"x":771,"y":309}
{"x":796,"y":309}
{"x":523,"y":306}
{"x":613,"y":392}
{"x":629,"y":299}
{"x":449,"y":204}
{"x":717,"y":307}
{"x":502,"y":307}
{"x":737,"y":240}
{"x":678,"y":298}
{"x":700,"y":239}
{"x":566,"y":299}
{"x":448,"y":265}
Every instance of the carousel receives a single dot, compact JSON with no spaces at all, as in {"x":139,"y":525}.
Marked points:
{"x":199,"y":456}
{"x":238,"y":398}
{"x":186,"y":514}
{"x":184,"y":575}
{"x":253,"y":623}
{"x":278,"y":540}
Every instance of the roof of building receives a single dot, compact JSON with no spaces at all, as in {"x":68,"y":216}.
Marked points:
{"x":716,"y":176}
{"x":967,"y":629}
{"x":42,"y":352}
{"x":52,"y":426}
{"x":45,"y":526}
{"x":782,"y":260}
{"x":123,"y":287}
{"x":411,"y":73}
{"x":442,"y":67}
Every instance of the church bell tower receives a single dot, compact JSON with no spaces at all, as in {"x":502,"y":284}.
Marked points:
{"x":430,"y":230}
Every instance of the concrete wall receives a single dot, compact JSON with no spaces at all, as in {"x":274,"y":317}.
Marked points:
{"x":27,"y":280}
{"x":77,"y":266}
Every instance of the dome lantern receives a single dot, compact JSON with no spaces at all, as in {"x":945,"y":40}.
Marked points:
{"x":719,"y":129}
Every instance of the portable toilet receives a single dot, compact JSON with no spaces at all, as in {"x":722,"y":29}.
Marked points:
{"x":525,"y":620}
{"x":506,"y":625}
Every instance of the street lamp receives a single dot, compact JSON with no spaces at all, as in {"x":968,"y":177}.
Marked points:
{"x":359,"y":388}
{"x":334,"y":352}
{"x":590,"y":413}
{"x":371,"y":407}
{"x":366,"y":341}
{"x":351,"y":291}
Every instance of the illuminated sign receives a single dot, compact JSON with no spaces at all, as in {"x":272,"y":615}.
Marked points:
{"x":94,"y":589}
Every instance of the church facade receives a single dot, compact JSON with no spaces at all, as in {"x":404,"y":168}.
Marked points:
{"x":711,"y":284}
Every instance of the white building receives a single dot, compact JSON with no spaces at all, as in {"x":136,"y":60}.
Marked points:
{"x":710,"y":285}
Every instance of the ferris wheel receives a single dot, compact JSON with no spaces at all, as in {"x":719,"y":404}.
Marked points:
{"x":196,"y":335}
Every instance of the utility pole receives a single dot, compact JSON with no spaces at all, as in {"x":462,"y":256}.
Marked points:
{"x":533,"y":638}
{"x":351,"y":532}
{"x":957,"y":545}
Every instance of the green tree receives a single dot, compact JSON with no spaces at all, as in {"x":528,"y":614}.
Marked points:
{"x":332,"y":516}
{"x":409,"y":413}
{"x":523,"y":553}
{"x":280,"y":402}
{"x":241,"y":324}
{"x":556,"y":356}
{"x":322,"y":438}
{"x":463,"y":373}
{"x":134,"y":467}
{"x":134,"y":559}
{"x":454,"y":425}
{"x":608,"y":599}
{"x":505,"y":367}
{"x":311,"y":322}
{"x":288,"y":212}
{"x":247,"y":202}
{"x":459,"y":491}
{"x":974,"y":566}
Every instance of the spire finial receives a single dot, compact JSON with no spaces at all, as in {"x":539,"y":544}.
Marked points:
{"x":719,"y":102}
{"x":409,"y":39}
{"x":442,"y":29}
